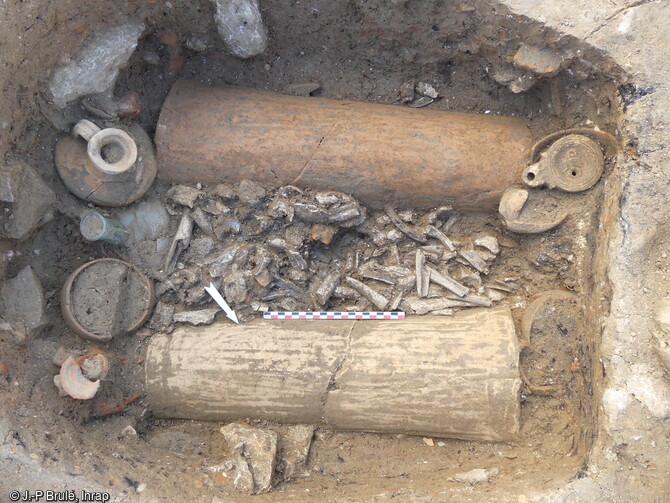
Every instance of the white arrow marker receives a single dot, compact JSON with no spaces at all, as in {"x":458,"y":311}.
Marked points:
{"x":211,"y":289}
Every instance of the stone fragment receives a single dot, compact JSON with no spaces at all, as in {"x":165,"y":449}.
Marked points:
{"x":293,"y":449}
{"x":238,"y":469}
{"x":436,"y":216}
{"x":516,"y":81}
{"x":128,"y":431}
{"x":95,"y":67}
{"x":184,"y":195}
{"x":201,"y":317}
{"x":250,"y":192}
{"x":254,"y":452}
{"x":280,"y":207}
{"x":235,"y":288}
{"x":32,"y":204}
{"x":16,"y":332}
{"x":225,"y":192}
{"x":241,"y":27}
{"x":23,"y":300}
{"x":494,"y":295}
{"x":10,"y":179}
{"x":476,"y":476}
{"x":95,"y":367}
{"x":214,"y":207}
{"x":199,"y":249}
{"x":540,"y":60}
{"x":488,"y":242}
{"x":425,"y":89}
{"x":406,"y":92}
{"x":162,"y":317}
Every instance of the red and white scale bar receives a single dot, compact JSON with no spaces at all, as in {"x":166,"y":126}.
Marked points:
{"x":333,"y":315}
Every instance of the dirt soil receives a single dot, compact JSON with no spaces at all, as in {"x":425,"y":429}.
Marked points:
{"x":358,"y":51}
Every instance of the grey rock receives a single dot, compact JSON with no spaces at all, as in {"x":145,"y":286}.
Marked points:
{"x":241,"y":27}
{"x":406,"y":92}
{"x":258,"y":449}
{"x":184,"y":195}
{"x":93,"y":368}
{"x":235,"y":288}
{"x":280,"y":207}
{"x":238,"y":469}
{"x":96,"y":65}
{"x":33,"y":201}
{"x":488,"y":242}
{"x":516,"y":80}
{"x":522,"y":83}
{"x":16,"y":332}
{"x":199,"y":249}
{"x":162,"y":317}
{"x":10,"y":179}
{"x":296,"y":235}
{"x":294,"y":449}
{"x":225,"y":192}
{"x":278,"y":244}
{"x":214,"y":207}
{"x":425,"y":89}
{"x":540,"y":60}
{"x":250,"y":192}
{"x":201,"y":317}
{"x":221,"y":261}
{"x":23,"y":300}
